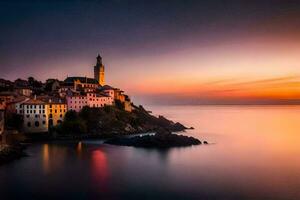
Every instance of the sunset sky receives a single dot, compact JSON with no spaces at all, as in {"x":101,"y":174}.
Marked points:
{"x":177,"y":52}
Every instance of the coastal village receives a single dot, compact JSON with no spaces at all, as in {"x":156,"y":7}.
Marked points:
{"x":38,"y":106}
{"x":75,"y":109}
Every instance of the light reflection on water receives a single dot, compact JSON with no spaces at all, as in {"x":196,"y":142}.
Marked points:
{"x":254,"y":155}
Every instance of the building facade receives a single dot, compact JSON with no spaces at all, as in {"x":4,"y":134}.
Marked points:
{"x":76,"y":102}
{"x":94,"y":100}
{"x":99,"y":71}
{"x":35,"y":116}
{"x":56,"y":111}
{"x":24,"y":91}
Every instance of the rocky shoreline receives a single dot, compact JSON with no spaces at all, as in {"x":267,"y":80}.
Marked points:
{"x":9,"y":153}
{"x":109,"y":123}
{"x":161,"y":139}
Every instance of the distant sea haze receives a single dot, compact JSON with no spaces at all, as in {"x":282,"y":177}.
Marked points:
{"x":175,"y":100}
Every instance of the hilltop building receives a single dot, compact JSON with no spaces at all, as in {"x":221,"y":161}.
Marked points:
{"x":77,"y":101}
{"x":56,"y":97}
{"x":25,"y":91}
{"x":99,"y":71}
{"x":81,"y":83}
{"x":84,"y":83}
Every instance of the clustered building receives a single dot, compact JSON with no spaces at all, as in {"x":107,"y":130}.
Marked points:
{"x":45,"y":105}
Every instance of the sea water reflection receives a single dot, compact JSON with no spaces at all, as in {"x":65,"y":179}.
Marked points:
{"x":254,"y":155}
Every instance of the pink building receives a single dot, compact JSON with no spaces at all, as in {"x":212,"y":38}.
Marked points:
{"x":76,"y":102}
{"x":96,"y":100}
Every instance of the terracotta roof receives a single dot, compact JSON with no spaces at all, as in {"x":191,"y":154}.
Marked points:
{"x":81,"y":79}
{"x":56,"y":101}
{"x":8,"y":93}
{"x":34,"y":101}
{"x":18,"y":100}
{"x":107,"y":87}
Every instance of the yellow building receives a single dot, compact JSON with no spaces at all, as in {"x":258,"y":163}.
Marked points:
{"x":99,"y":71}
{"x":56,"y":111}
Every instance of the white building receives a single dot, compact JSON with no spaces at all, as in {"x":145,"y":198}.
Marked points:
{"x":35,"y":117}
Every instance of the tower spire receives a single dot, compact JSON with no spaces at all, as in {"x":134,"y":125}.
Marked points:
{"x":99,"y":71}
{"x":99,"y":59}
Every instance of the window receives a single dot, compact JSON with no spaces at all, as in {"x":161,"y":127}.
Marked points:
{"x":37,"y":124}
{"x":50,"y":122}
{"x":44,"y":115}
{"x":59,"y":121}
{"x":50,"y":116}
{"x":50,"y":110}
{"x":36,"y":116}
{"x":29,"y":124}
{"x":60,"y":115}
{"x":27,"y":116}
{"x":50,"y":106}
{"x":30,"y":111}
{"x":55,"y":111}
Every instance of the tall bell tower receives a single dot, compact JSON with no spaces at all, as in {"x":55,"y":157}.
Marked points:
{"x":99,"y":71}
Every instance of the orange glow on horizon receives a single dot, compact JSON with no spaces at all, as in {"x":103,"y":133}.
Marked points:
{"x":287,"y":88}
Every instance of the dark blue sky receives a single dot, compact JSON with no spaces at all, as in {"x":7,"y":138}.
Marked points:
{"x":59,"y":38}
{"x":35,"y":30}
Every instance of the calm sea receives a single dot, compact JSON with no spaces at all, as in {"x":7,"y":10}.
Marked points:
{"x":254,"y":154}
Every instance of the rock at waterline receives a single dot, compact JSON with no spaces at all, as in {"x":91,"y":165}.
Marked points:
{"x":9,"y":153}
{"x":159,"y":140}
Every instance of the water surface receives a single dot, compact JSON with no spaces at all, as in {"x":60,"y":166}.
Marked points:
{"x":254,"y":155}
